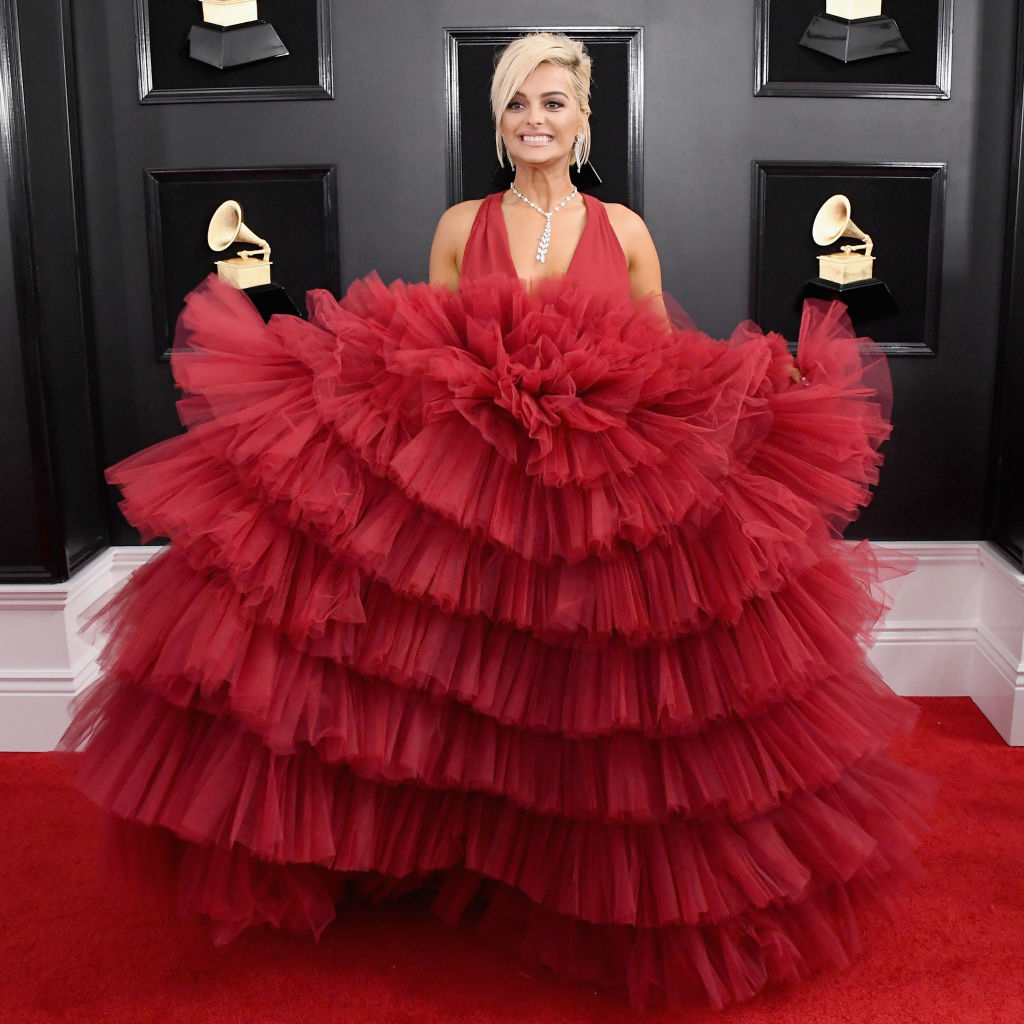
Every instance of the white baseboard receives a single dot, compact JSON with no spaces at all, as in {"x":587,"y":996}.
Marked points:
{"x":956,"y":629}
{"x":46,"y":654}
{"x":926,"y":645}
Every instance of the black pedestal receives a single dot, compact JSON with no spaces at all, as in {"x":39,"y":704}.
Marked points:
{"x":859,"y":39}
{"x":866,"y":300}
{"x":235,"y":45}
{"x":270,"y":299}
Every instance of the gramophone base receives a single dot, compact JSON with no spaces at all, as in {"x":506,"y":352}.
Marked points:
{"x":846,"y":267}
{"x":848,"y":41}
{"x":865,"y":300}
{"x":244,"y":273}
{"x":232,"y":12}
{"x":270,"y":299}
{"x":235,"y":45}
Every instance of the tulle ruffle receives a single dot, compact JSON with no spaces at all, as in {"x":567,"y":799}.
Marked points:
{"x":525,"y":596}
{"x":203,"y":635}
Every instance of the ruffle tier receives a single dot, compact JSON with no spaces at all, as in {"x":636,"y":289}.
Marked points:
{"x":528,"y":597}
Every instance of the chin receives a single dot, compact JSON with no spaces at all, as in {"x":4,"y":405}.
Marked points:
{"x":541,"y":158}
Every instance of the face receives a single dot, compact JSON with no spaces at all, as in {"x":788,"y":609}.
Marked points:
{"x":542,"y":120}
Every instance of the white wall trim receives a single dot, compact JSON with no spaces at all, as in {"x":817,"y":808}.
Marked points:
{"x":47,"y":655}
{"x":956,"y":629}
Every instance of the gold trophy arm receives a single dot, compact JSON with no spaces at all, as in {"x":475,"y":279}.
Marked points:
{"x":852,"y":231}
{"x":264,"y":252}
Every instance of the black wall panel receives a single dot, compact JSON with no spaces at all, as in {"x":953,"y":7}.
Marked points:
{"x":53,"y":513}
{"x":1006,"y":507}
{"x":21,"y":543}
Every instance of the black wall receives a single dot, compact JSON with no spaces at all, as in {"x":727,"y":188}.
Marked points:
{"x":20,"y":541}
{"x":51,"y":516}
{"x":386,"y":132}
{"x":1006,"y":496}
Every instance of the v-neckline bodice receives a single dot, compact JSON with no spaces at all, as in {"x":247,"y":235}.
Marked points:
{"x":508,"y":244}
{"x":598,"y":262}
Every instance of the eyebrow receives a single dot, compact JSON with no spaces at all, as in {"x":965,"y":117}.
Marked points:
{"x":552,"y":92}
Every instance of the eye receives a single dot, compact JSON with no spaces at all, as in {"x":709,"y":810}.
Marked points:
{"x":514,"y":105}
{"x":556,"y":104}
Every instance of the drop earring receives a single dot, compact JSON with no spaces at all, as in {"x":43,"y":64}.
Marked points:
{"x":576,"y":152}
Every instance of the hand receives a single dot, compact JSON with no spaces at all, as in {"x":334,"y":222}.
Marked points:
{"x":796,"y":375}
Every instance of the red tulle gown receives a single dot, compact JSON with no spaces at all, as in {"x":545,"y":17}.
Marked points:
{"x":523,"y":597}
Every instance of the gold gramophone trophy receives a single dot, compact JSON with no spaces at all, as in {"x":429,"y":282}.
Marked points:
{"x":852,"y":30}
{"x":249,"y":269}
{"x":831,"y":223}
{"x":849,"y":273}
{"x":232,"y":35}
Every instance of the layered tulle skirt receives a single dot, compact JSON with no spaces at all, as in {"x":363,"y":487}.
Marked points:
{"x":525,"y":598}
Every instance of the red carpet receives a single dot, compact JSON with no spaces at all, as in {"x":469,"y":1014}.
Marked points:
{"x":71,"y":951}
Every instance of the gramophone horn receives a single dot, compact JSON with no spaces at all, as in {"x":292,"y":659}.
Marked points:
{"x":227,"y":227}
{"x":832,"y":221}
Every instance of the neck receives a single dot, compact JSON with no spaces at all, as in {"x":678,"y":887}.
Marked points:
{"x":542,"y":185}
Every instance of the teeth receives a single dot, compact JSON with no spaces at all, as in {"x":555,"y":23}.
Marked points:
{"x":536,"y":138}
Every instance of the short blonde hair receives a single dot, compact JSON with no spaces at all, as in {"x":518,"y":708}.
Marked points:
{"x":521,"y":58}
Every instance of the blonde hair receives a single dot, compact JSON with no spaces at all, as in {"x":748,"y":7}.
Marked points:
{"x":521,"y":58}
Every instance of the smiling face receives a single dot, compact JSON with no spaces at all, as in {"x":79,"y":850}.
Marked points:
{"x":541,"y":121}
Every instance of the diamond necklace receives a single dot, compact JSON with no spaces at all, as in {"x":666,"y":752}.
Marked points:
{"x":545,"y":239}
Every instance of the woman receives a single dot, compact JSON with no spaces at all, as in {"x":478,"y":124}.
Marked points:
{"x":515,"y":592}
{"x":540,"y":102}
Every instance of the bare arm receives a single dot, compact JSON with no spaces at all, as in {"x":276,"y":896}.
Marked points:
{"x":450,"y":242}
{"x":641,"y":255}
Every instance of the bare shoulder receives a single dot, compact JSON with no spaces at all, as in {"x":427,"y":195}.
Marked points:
{"x":449,"y":242}
{"x":638,"y":247}
{"x":459,"y":218}
{"x":626,"y":224}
